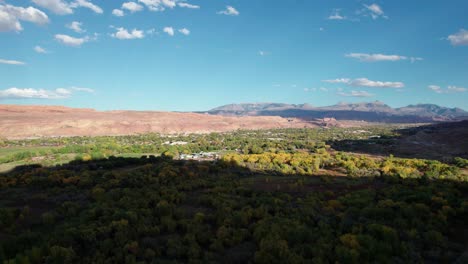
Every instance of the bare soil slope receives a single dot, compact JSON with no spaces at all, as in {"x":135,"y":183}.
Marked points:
{"x":48,"y":121}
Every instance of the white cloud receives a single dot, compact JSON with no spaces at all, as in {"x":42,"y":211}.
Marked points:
{"x":39,"y":49}
{"x":375,"y":57}
{"x":355,"y":94}
{"x":456,"y":89}
{"x":187,"y":5}
{"x":169,"y":31}
{"x":450,"y":89}
{"x":123,"y":33}
{"x":63,"y":92}
{"x":132,"y":7}
{"x":341,"y":80}
{"x":82,"y":89}
{"x":169,"y":3}
{"x":158,"y":5}
{"x":375,"y":11}
{"x":87,"y":4}
{"x":336,"y":15}
{"x":29,"y":14}
{"x":230,"y":11}
{"x":9,"y":22}
{"x":460,"y":38}
{"x":58,"y":7}
{"x":118,"y":12}
{"x":61,"y":7}
{"x":263,"y":53}
{"x":76,"y":26}
{"x":184,"y":31}
{"x":31,"y":93}
{"x":10,"y":17}
{"x":314,"y":89}
{"x":374,"y":8}
{"x":380,"y":57}
{"x":11,"y":62}
{"x":71,"y":41}
{"x":414,"y":59}
{"x":364,"y":82}
{"x":435,"y":88}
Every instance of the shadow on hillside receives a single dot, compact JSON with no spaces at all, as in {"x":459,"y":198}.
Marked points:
{"x":441,"y":142}
{"x":381,"y":117}
{"x":81,"y":183}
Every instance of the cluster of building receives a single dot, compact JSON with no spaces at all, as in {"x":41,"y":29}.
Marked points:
{"x":200,"y":156}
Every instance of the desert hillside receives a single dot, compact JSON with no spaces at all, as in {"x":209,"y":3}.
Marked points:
{"x":46,"y":121}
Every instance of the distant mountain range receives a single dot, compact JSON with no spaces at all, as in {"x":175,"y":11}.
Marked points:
{"x":367,"y":111}
{"x":26,"y":121}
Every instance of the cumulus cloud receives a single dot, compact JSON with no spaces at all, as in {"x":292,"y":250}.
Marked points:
{"x":379,"y":57}
{"x":31,"y":93}
{"x":123,"y":33}
{"x":460,"y":38}
{"x":364,"y":82}
{"x":375,"y":11}
{"x":58,"y":7}
{"x":158,"y":5}
{"x":450,"y":89}
{"x":184,"y":31}
{"x":354,"y":93}
{"x":9,"y":22}
{"x":152,"y":5}
{"x":71,"y":41}
{"x":11,"y":62}
{"x":76,"y":26}
{"x":10,"y":17}
{"x":169,"y":31}
{"x":61,"y":7}
{"x":132,"y":7}
{"x":187,"y":5}
{"x":118,"y":12}
{"x":229,"y":11}
{"x":39,"y":49}
{"x":87,"y":4}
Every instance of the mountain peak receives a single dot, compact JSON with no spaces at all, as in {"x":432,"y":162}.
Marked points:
{"x":375,"y":111}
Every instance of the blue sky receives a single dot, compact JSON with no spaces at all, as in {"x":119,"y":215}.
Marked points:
{"x":196,"y":55}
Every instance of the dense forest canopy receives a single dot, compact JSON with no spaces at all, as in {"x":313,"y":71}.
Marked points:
{"x":277,"y":196}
